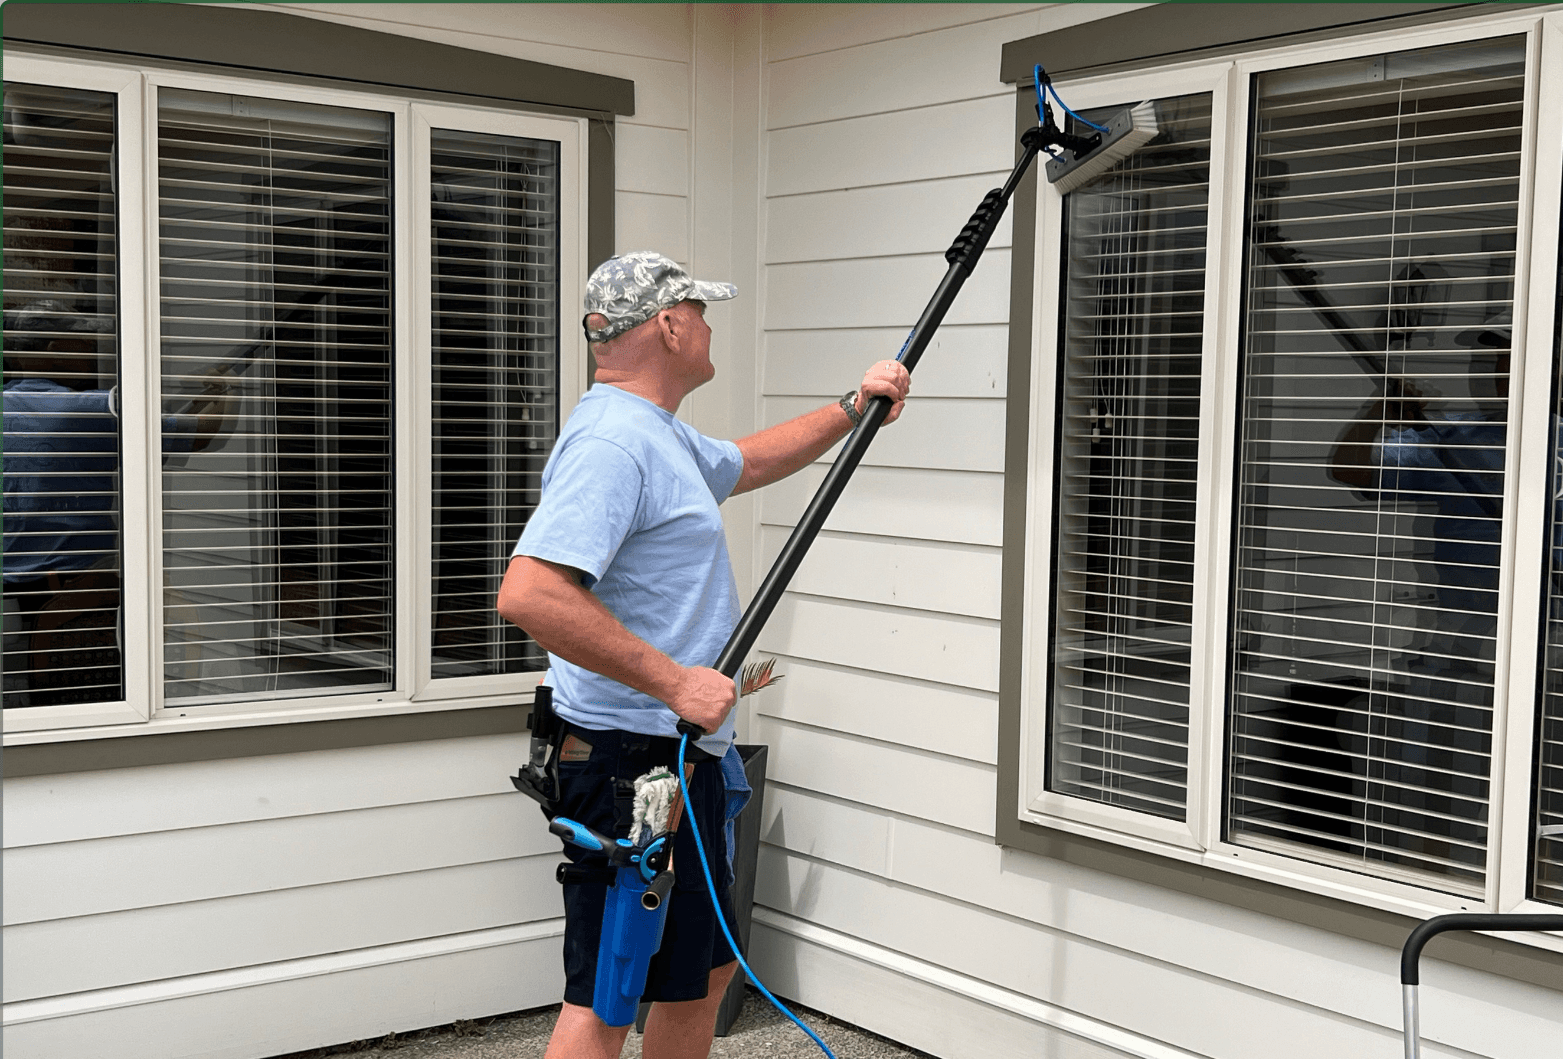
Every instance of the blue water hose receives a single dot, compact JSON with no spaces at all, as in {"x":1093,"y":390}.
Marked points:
{"x":700,"y":849}
{"x":1044,"y":82}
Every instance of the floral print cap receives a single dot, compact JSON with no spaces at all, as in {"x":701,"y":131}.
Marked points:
{"x":632,"y":288}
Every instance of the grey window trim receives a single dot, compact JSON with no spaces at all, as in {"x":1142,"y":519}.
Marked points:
{"x":1168,"y":33}
{"x":291,"y":737}
{"x":272,"y":41}
{"x":1138,"y":39}
{"x":269,"y":44}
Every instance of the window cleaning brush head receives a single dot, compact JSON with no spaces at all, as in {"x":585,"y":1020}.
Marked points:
{"x":1127,"y":131}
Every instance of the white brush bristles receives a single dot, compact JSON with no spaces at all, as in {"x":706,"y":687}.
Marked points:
{"x":1127,"y":132}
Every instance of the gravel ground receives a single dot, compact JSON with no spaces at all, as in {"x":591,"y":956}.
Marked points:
{"x":760,"y":1030}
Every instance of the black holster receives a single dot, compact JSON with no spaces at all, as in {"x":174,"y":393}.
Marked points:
{"x":539,"y":777}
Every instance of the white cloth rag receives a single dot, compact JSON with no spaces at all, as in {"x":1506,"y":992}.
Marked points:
{"x":654,"y":796}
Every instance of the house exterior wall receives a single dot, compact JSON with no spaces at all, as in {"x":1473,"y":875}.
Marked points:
{"x":884,"y":899}
{"x":822,"y":158}
{"x":264,"y":905}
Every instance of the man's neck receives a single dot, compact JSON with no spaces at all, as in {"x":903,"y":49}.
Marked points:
{"x":660,"y":392}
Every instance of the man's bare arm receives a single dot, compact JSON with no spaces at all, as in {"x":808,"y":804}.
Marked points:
{"x":548,"y":601}
{"x":774,"y":453}
{"x":1352,"y":459}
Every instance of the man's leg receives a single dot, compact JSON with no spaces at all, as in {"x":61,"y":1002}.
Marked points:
{"x":580,"y":1034}
{"x":682,"y":1029}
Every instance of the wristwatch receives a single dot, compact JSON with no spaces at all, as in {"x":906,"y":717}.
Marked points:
{"x":849,"y":406}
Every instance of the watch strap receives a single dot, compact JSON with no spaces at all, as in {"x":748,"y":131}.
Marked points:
{"x":848,"y":404}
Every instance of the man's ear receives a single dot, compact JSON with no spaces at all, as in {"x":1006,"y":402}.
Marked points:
{"x":670,"y":328}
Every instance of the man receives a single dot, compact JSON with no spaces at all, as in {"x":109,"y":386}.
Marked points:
{"x":1413,"y":458}
{"x":622,"y":575}
{"x":62,"y":561}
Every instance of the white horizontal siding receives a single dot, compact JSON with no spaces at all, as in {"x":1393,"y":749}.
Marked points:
{"x":897,"y":501}
{"x":891,"y":148}
{"x":876,"y":29}
{"x":824,"y":225}
{"x":962,"y":360}
{"x":881,"y":292}
{"x":922,"y":784}
{"x":955,"y":64}
{"x":646,"y":221}
{"x":922,"y":575}
{"x":183,"y":891}
{"x":655,"y":160}
{"x":283,"y":1008}
{"x":93,"y":876}
{"x":887,"y":707}
{"x":946,"y":649}
{"x":926,"y":1006}
{"x":133,"y":801}
{"x":82,"y":953}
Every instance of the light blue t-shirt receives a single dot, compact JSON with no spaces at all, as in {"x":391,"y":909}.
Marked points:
{"x":630,"y":499}
{"x":61,"y":476}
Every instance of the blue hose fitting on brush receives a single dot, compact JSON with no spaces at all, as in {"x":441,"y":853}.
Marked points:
{"x":632,"y":917}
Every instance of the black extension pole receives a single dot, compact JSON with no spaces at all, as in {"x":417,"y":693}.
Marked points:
{"x":962,"y":256}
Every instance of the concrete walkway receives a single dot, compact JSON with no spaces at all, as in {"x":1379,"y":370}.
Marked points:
{"x":760,"y":1030}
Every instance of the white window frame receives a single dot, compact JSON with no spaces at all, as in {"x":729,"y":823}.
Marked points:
{"x":143,"y":710}
{"x":571,"y":356}
{"x":137,"y":652}
{"x":1526,"y":515}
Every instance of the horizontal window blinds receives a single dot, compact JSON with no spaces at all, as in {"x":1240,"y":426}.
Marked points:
{"x":1128,"y":427}
{"x":62,"y":438}
{"x":1374,"y":401}
{"x":276,"y":380}
{"x":1547,"y":850}
{"x":496,"y":398}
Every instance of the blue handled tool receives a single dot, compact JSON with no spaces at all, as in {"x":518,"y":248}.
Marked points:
{"x":632,"y":918}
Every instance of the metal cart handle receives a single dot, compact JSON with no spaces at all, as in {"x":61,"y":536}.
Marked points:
{"x":1411,"y":955}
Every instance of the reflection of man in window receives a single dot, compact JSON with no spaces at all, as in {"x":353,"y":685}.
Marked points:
{"x":1433,"y":468}
{"x":62,"y":502}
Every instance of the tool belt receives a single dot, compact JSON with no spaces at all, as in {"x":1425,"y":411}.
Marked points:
{"x":538,"y":779}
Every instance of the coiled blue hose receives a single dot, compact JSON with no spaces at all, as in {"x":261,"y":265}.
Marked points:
{"x":700,"y":848}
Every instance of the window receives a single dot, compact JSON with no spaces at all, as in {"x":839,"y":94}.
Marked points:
{"x":306,"y":499}
{"x":1294,"y":442}
{"x":1385,"y":199}
{"x":1128,"y":465}
{"x":496,"y":400}
{"x":275,"y":308}
{"x":63,"y":554}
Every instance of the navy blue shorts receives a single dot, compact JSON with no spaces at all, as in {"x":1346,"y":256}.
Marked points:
{"x":692,"y":942}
